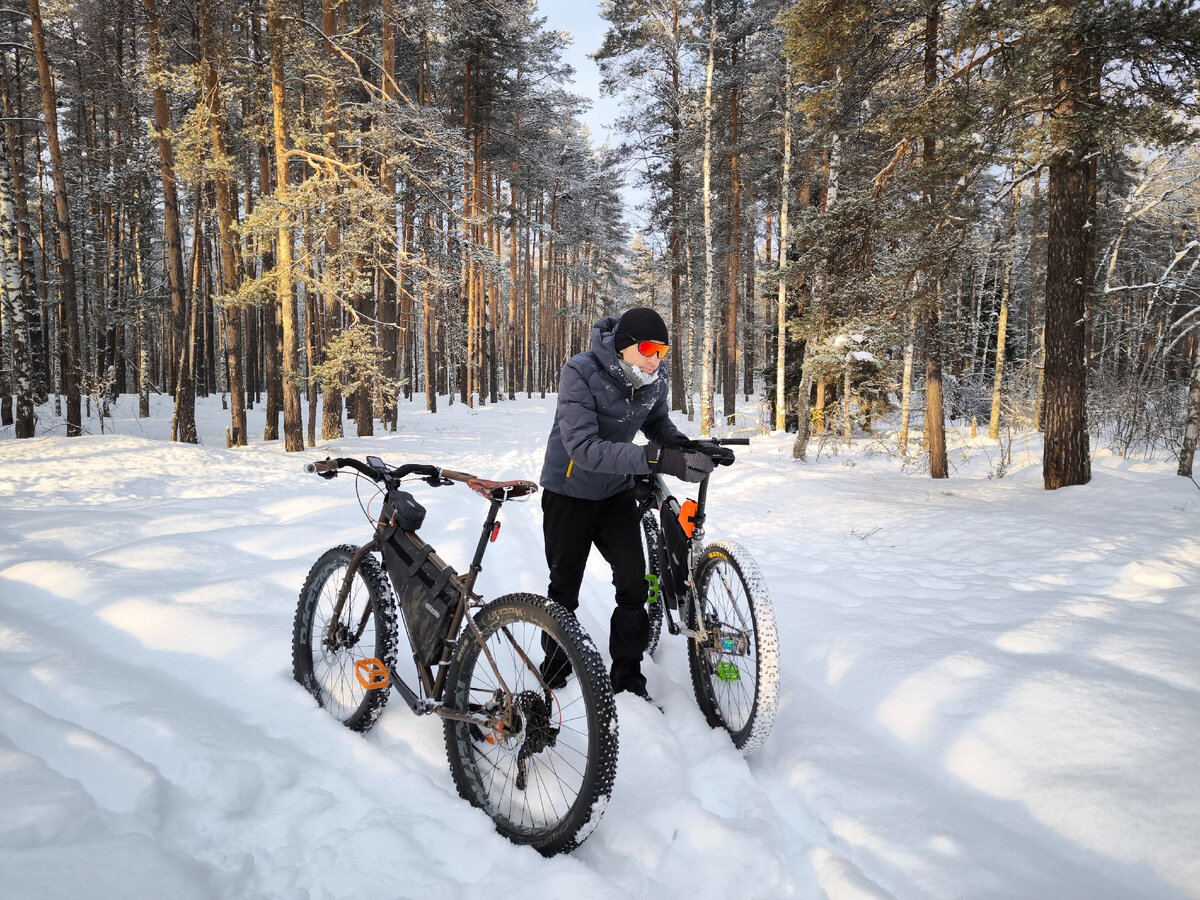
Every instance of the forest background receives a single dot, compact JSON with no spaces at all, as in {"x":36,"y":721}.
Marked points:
{"x":856,"y":210}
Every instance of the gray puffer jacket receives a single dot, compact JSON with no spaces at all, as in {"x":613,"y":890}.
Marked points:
{"x":590,"y":454}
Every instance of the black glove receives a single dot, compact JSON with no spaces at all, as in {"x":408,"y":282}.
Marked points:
{"x":721,"y":456}
{"x":688,"y":465}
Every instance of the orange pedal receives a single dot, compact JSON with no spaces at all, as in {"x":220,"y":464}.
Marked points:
{"x":371,"y":674}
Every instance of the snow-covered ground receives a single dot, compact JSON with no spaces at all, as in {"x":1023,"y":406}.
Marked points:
{"x":988,"y":690}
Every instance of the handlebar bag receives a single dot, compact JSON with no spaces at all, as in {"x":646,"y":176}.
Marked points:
{"x":426,"y":592}
{"x":402,"y":510}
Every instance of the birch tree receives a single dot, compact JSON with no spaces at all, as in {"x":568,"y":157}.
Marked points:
{"x":16,"y":302}
{"x":706,"y":350}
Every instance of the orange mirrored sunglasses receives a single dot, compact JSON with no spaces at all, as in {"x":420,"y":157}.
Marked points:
{"x":652,"y":348}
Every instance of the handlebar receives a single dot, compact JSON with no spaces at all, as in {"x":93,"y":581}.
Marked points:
{"x":432,"y":474}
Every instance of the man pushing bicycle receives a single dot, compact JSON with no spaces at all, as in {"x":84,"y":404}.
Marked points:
{"x":605,"y":396}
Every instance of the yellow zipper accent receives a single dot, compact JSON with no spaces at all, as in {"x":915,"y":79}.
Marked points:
{"x":569,"y":466}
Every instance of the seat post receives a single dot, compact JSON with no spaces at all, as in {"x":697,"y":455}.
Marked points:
{"x":485,"y":537}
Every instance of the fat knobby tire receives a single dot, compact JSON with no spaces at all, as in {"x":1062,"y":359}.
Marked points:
{"x":653,"y":539}
{"x":329,"y":674}
{"x":752,"y":711}
{"x":484,"y":771}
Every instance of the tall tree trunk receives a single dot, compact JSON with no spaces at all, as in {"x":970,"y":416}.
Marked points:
{"x":390,"y":338}
{"x":1187,"y":452}
{"x":226,"y":220}
{"x":732,"y":350}
{"x":16,"y":301}
{"x":332,"y":406}
{"x":184,"y":428}
{"x":293,"y":428}
{"x":749,"y":343}
{"x":1066,"y":459}
{"x":803,"y":409}
{"x":1002,"y":324}
{"x":706,"y":353}
{"x":15,"y":134}
{"x":785,"y":182}
{"x":270,"y":321}
{"x":935,"y":413}
{"x":906,"y":385}
{"x":678,"y":387}
{"x":66,"y":248}
{"x":470,"y":160}
{"x":312,"y":327}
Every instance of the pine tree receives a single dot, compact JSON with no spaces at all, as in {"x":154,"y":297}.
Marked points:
{"x":66,"y":246}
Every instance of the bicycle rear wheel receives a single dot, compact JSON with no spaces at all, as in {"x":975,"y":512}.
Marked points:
{"x":651,"y":541}
{"x":332,"y":659}
{"x":546,"y":780}
{"x":735,"y":672}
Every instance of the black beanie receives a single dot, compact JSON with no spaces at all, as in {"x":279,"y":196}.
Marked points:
{"x":640,"y":324}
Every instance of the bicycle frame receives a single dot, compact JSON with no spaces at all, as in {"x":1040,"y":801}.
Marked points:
{"x":686,"y":600}
{"x":433,"y":677}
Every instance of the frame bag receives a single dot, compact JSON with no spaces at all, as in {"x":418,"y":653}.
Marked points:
{"x":426,"y":588}
{"x":673,"y":552}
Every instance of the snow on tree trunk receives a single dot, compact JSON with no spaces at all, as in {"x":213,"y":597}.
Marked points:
{"x":1002,"y":324}
{"x":781,"y":301}
{"x":1188,"y":452}
{"x":16,"y":303}
{"x":706,"y":352}
{"x":906,"y":386}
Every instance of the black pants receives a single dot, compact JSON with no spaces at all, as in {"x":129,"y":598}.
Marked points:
{"x":571,"y":527}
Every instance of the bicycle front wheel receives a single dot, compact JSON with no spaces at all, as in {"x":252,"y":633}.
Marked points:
{"x":545,"y":779}
{"x":735,"y":671}
{"x":344,"y":661}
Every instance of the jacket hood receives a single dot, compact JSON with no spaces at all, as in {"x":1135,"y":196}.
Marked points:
{"x":604,"y":345}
